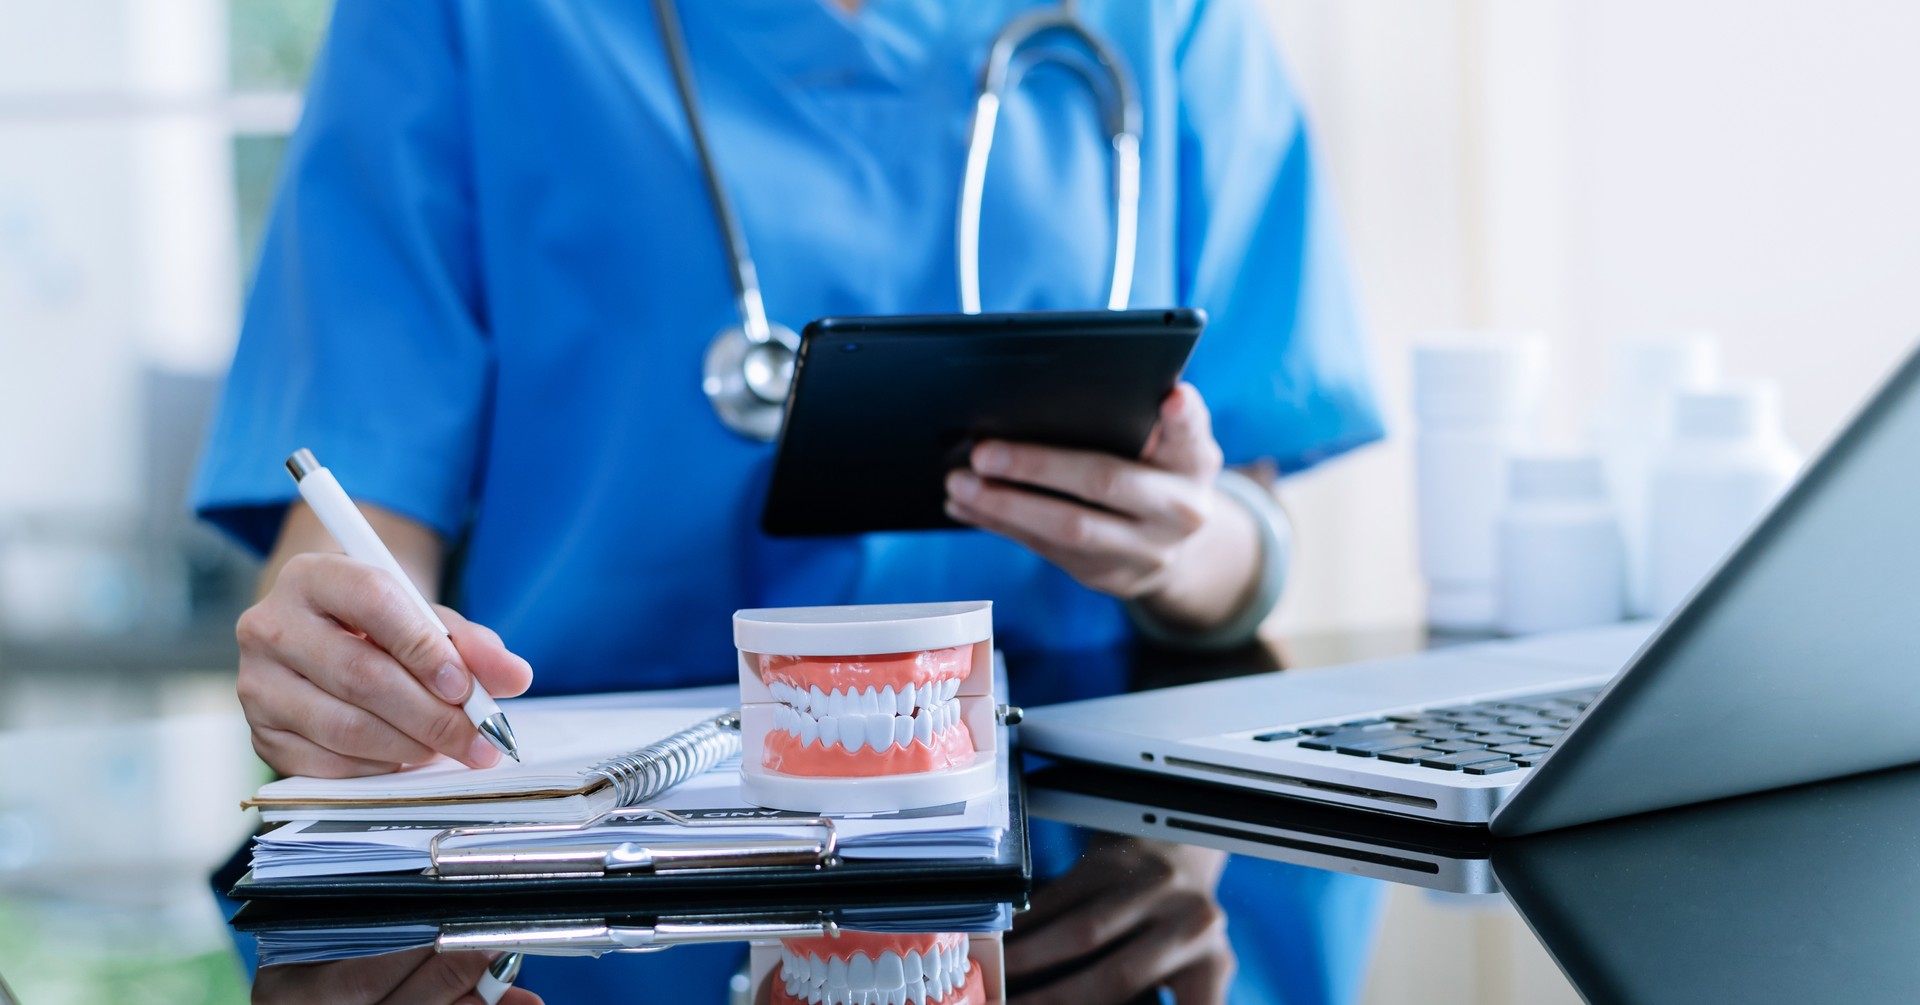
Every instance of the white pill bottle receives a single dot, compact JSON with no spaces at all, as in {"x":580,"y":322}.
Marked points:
{"x":1562,"y":556}
{"x":1632,"y":425}
{"x":1476,"y":400}
{"x":1723,"y":466}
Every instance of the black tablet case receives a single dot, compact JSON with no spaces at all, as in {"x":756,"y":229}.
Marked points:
{"x":882,"y":408}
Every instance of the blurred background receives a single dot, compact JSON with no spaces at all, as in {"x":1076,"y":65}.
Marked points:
{"x":1592,"y":172}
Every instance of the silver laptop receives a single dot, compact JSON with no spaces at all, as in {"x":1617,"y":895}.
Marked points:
{"x":1797,"y":660}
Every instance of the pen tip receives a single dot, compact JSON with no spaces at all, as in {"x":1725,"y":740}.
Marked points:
{"x":498,"y":733}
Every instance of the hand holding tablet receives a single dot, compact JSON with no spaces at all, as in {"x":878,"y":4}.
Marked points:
{"x":883,"y":409}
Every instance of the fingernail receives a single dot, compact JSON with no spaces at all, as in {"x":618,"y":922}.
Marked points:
{"x":483,"y":754}
{"x":990,"y":459}
{"x":954,"y":511}
{"x":451,"y":683}
{"x":963,"y":486}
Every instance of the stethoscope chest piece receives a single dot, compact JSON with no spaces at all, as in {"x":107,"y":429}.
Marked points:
{"x":746,"y":380}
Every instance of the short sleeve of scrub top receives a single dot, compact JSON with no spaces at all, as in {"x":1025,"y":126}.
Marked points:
{"x":491,"y":272}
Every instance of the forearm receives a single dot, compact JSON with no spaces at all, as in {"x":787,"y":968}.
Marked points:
{"x":416,"y":547}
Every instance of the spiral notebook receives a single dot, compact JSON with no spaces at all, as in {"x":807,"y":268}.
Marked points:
{"x":581,"y":763}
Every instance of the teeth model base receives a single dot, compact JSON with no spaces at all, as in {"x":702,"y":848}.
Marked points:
{"x":859,"y":968}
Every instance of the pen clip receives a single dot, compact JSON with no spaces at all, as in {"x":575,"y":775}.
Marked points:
{"x":596,"y":937}
{"x":547,"y":860}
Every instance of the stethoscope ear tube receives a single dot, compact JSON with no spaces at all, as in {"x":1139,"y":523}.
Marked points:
{"x":1007,"y":63}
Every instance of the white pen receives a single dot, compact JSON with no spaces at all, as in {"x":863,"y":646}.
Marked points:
{"x":499,"y":977}
{"x":355,"y":535}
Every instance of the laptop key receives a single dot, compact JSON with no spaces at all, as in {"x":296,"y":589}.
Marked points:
{"x":1528,"y":760}
{"x":1368,"y":748}
{"x":1361,"y":723}
{"x":1456,"y":746}
{"x":1344,"y":737}
{"x":1520,"y":749}
{"x":1454,"y":762}
{"x":1502,"y":739}
{"x":1491,"y":767}
{"x":1405,"y":755}
{"x":1284,"y":734}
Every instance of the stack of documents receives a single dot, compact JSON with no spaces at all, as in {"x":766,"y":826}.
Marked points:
{"x":385,"y":824}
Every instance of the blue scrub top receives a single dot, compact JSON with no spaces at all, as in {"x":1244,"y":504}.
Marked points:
{"x":492,"y":270}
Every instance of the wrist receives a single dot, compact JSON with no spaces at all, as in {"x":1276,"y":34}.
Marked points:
{"x":1230,"y":577}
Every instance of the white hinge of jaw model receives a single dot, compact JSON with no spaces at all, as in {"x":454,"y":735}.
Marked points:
{"x":867,"y":709}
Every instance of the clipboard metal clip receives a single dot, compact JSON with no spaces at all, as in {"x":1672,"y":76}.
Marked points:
{"x":547,"y":859}
{"x":596,"y":937}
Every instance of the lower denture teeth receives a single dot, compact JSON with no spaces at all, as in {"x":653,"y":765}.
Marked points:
{"x":923,"y":728}
{"x":902,"y":730}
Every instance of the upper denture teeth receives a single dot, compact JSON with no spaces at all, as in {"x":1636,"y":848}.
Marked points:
{"x":888,"y":973}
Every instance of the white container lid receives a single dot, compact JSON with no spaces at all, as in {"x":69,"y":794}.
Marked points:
{"x":1645,"y":370}
{"x":1569,"y":477}
{"x":862,"y":630}
{"x":1730,"y":412}
{"x":1478,"y":378}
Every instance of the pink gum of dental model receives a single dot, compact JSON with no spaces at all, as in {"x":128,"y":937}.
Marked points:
{"x":861,"y":716}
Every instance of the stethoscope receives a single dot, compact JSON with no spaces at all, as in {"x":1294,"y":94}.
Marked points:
{"x":749,"y":366}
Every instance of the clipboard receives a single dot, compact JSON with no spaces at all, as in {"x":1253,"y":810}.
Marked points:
{"x":630,"y":875}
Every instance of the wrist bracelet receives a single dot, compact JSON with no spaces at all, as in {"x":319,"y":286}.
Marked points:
{"x":1276,"y":545}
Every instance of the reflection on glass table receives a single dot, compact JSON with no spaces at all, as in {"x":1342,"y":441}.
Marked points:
{"x":1806,"y":894}
{"x":893,"y":955}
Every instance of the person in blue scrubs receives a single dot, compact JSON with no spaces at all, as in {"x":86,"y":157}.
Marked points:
{"x":492,"y":270}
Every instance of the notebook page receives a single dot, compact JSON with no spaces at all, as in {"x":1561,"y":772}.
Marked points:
{"x":561,"y":745}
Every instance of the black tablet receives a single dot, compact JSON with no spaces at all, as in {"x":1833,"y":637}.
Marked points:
{"x":883,"y":407}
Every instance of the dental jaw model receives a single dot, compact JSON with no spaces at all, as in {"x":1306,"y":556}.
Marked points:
{"x":868,"y":968}
{"x":867,"y":709}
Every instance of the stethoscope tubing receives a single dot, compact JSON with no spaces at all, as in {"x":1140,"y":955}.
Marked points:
{"x":746,"y":366}
{"x":746,"y":279}
{"x":1121,"y":111}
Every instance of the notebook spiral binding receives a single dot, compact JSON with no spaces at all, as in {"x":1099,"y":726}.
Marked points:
{"x":640,"y":775}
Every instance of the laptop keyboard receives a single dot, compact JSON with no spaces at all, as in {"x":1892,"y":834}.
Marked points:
{"x":1484,"y":738}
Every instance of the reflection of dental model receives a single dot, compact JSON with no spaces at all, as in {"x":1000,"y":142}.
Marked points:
{"x":860,"y":709}
{"x":862,"y":968}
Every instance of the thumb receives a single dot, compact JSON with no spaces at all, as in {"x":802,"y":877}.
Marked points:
{"x":1183,"y":441}
{"x":498,"y":670}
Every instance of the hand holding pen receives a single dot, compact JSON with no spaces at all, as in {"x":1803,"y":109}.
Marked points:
{"x":345,"y":669}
